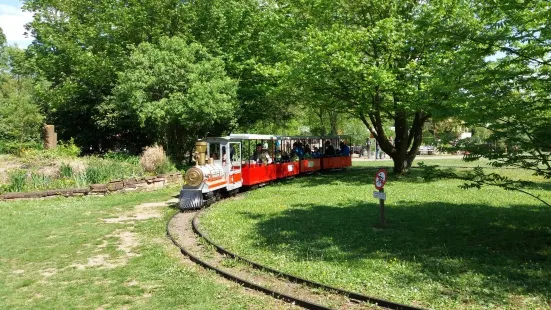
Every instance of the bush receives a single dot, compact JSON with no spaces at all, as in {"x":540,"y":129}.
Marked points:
{"x":18,"y":181}
{"x":67,"y":149}
{"x":65,"y":171}
{"x":154,"y":159}
{"x":97,"y":172}
{"x":102,"y":170}
{"x":122,"y":157}
{"x":16,"y":148}
{"x":166,"y":167}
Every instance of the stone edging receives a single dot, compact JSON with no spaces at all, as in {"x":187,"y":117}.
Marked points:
{"x":126,"y":185}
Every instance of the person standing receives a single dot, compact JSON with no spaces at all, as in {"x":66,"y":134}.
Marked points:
{"x":368,"y":147}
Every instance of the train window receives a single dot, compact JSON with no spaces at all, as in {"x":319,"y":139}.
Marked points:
{"x":235,"y":154}
{"x":214,"y":151}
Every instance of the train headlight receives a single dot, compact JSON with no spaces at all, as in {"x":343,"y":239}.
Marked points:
{"x":194,"y":176}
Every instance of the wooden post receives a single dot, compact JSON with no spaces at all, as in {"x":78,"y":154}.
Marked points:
{"x":382,"y":209}
{"x":49,"y":136}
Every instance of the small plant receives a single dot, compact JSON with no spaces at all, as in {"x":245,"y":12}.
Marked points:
{"x":165,"y":167}
{"x":96,"y":172}
{"x":65,"y":171}
{"x":67,"y":149}
{"x":80,"y":179}
{"x":39,"y":181}
{"x":18,"y":181}
{"x":153,"y":158}
{"x":122,"y":157}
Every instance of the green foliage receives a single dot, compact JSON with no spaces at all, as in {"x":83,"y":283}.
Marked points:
{"x":17,"y":148}
{"x":101,"y":171}
{"x":20,"y":116}
{"x":2,"y":37}
{"x":122,"y":157}
{"x":17,"y":181}
{"x":65,"y":171}
{"x":79,"y":54}
{"x":67,"y":149}
{"x":174,"y":87}
{"x":509,"y":95}
{"x":379,"y":61}
{"x":165,"y":167}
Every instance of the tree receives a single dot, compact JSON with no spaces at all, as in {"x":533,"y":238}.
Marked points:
{"x":247,"y":35}
{"x":79,"y":48}
{"x":383,"y":60}
{"x":510,"y":95}
{"x":20,"y":116}
{"x":178,"y":92}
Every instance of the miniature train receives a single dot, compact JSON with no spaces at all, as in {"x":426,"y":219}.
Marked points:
{"x":224,"y":165}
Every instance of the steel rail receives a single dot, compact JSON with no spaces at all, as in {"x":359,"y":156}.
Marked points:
{"x":285,"y":297}
{"x":352,"y":295}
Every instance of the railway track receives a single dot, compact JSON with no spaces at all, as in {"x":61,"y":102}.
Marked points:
{"x":184,"y":231}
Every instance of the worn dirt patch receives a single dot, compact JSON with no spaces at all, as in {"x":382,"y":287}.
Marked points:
{"x":48,"y":272}
{"x":127,"y":242}
{"x":142,"y":212}
{"x":18,"y":271}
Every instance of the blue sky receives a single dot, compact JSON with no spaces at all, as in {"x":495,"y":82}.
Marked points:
{"x":12,"y":20}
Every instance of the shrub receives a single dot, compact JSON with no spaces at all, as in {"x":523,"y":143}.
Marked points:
{"x":153,"y":158}
{"x":97,"y":172}
{"x":122,"y":157}
{"x":65,"y":171}
{"x":16,"y":148}
{"x":18,"y":181}
{"x":67,"y":149}
{"x":39,"y":181}
{"x":165,"y":167}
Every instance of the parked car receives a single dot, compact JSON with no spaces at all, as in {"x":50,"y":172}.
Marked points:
{"x":426,"y":150}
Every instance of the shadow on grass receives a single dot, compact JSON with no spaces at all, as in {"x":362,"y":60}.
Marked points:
{"x":355,"y":176}
{"x":510,"y":247}
{"x":362,"y":175}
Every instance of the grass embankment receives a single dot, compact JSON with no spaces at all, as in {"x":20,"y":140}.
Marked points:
{"x":63,"y":254}
{"x":446,"y":247}
{"x":36,"y":170}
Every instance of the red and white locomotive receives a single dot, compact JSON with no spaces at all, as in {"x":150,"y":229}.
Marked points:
{"x":224,"y":165}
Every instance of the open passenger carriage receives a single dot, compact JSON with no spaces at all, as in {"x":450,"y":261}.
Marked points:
{"x":226,"y":164}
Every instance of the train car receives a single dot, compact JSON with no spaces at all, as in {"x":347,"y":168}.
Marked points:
{"x":224,"y":165}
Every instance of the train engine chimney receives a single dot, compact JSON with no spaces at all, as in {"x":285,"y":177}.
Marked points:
{"x":201,"y":149}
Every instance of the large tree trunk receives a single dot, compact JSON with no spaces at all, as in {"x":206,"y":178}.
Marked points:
{"x":407,"y":140}
{"x":333,"y":119}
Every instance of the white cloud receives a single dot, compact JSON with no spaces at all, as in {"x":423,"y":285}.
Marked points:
{"x":12,"y":21}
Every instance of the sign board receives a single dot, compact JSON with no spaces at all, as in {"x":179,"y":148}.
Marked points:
{"x":380,"y":179}
{"x":290,"y":168}
{"x":380,"y":195}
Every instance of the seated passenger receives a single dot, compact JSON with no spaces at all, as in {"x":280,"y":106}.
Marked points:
{"x":257,"y":153}
{"x":285,"y":157}
{"x":345,"y":149}
{"x":261,"y":154}
{"x":277,"y":156}
{"x":316,"y":153}
{"x":329,"y":150}
{"x":307,"y":150}
{"x":297,"y":151}
{"x":265,"y":157}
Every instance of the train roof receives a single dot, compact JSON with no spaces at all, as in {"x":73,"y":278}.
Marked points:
{"x":247,"y":136}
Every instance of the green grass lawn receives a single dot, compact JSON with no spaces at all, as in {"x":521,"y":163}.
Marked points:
{"x":446,"y":247}
{"x":61,"y":254}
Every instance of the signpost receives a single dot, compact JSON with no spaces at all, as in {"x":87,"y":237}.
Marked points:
{"x":380,"y":181}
